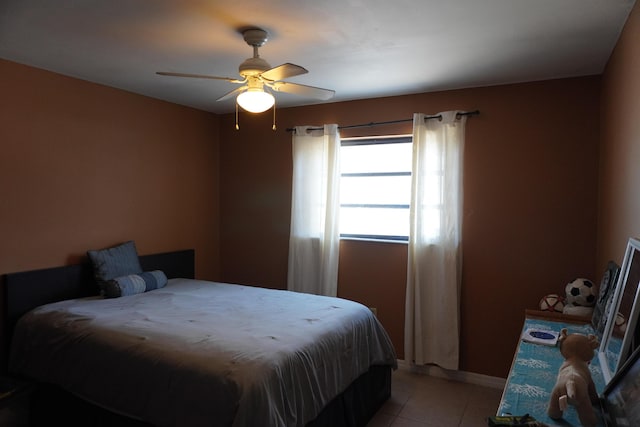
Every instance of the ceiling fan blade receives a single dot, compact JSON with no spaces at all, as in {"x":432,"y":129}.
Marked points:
{"x":232,"y":93}
{"x":303,"y":90}
{"x":283,"y":71}
{"x":198,"y":76}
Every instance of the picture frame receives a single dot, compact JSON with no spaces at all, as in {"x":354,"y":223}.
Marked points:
{"x":620,"y":399}
{"x":618,"y":339}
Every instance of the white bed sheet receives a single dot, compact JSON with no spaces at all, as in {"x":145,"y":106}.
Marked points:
{"x":199,"y":353}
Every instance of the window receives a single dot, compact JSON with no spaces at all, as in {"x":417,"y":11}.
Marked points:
{"x":375,"y":187}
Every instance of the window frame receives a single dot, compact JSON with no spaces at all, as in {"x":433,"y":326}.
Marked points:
{"x":373,"y":140}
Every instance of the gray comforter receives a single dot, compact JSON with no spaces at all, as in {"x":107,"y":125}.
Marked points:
{"x":199,"y":353}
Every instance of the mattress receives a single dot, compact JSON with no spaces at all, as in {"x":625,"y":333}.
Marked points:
{"x":199,"y":353}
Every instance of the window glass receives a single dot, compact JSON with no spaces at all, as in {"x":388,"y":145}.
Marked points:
{"x":380,"y":190}
{"x":375,"y":188}
{"x":385,"y":156}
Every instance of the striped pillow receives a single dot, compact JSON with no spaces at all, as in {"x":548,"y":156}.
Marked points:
{"x":134,"y":284}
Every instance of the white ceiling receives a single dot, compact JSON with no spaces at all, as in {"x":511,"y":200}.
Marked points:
{"x":359,"y":48}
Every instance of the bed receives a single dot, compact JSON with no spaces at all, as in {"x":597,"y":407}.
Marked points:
{"x":192,"y":352}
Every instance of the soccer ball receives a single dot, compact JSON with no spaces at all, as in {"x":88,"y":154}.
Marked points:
{"x":581,"y":292}
{"x":552,"y":302}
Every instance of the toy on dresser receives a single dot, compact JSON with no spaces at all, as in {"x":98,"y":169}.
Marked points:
{"x":574,"y":385}
{"x":579,"y":300}
{"x":581,"y":295}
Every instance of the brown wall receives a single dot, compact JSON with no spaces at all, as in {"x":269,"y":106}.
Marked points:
{"x":529,"y":215}
{"x":619,"y":207}
{"x":84,"y":166}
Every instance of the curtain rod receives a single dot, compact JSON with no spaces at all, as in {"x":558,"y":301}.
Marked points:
{"x":371,"y":124}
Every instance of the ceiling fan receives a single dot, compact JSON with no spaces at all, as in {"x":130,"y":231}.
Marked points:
{"x":257,"y":75}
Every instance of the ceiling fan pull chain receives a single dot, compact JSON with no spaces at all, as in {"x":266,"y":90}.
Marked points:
{"x":274,"y":116}
{"x":237,"y":127}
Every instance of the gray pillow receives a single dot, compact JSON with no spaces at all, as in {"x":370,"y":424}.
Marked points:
{"x":134,"y":284}
{"x":117,"y":261}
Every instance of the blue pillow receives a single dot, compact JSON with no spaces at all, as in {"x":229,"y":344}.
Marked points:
{"x":134,"y":284}
{"x":116,"y":261}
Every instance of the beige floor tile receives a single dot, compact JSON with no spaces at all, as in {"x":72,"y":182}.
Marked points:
{"x":403,"y":422}
{"x":422,"y":401}
{"x":381,"y":420}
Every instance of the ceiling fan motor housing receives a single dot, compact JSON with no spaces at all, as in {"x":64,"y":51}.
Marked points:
{"x":255,"y":37}
{"x":253,"y":66}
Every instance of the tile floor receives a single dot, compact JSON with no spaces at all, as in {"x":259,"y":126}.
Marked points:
{"x":419,"y":400}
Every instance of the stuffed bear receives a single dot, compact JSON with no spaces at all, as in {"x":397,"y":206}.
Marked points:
{"x":574,"y":384}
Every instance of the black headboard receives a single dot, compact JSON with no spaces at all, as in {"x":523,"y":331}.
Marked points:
{"x":26,"y":290}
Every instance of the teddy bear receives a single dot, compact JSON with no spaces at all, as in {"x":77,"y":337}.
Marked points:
{"x":574,"y":384}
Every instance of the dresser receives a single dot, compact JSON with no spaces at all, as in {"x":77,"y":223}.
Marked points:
{"x":535,"y":367}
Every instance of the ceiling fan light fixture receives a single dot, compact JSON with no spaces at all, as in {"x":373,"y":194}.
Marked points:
{"x":255,"y":100}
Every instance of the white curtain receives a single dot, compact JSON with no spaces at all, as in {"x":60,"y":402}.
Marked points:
{"x":435,"y":257}
{"x":315,"y":240}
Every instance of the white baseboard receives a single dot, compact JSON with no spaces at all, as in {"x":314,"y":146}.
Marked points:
{"x":461,"y":376}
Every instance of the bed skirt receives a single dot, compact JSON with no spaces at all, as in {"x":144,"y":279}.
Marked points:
{"x":51,"y":405}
